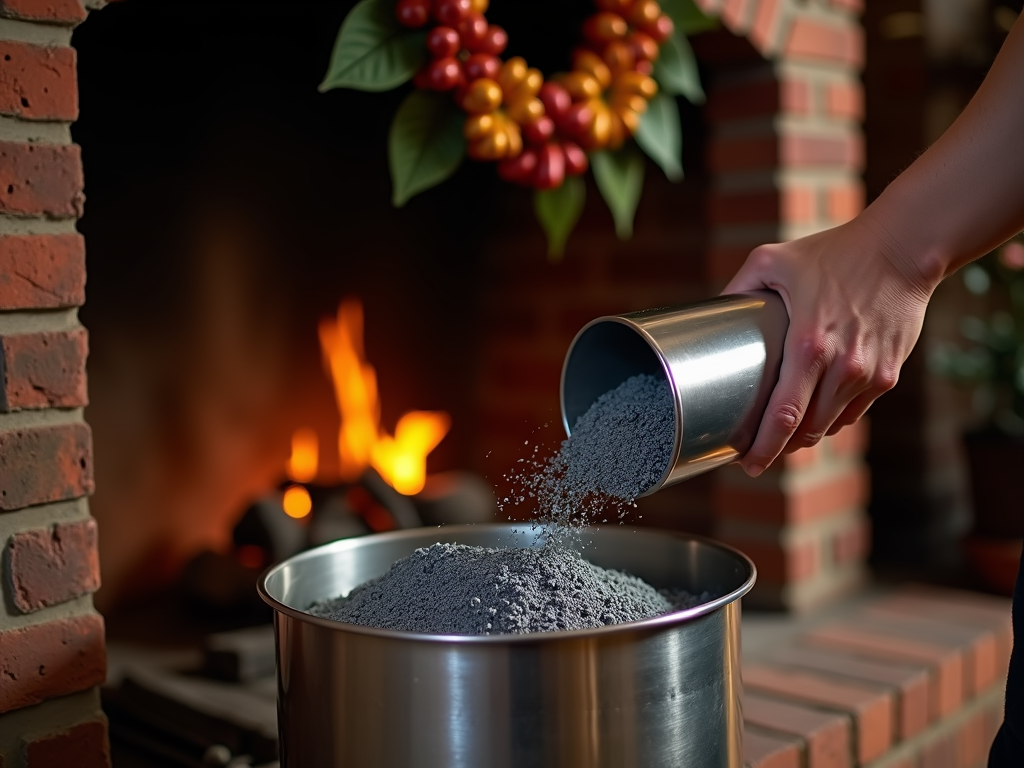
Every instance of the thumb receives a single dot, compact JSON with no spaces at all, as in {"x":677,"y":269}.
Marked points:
{"x":755,"y":273}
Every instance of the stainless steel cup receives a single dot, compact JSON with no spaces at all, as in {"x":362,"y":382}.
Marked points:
{"x":721,"y":358}
{"x":659,"y":693}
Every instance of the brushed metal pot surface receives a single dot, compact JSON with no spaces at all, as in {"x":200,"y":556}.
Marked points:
{"x":659,"y":693}
{"x":721,"y":358}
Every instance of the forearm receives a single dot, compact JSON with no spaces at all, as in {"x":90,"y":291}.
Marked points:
{"x":965,"y":195}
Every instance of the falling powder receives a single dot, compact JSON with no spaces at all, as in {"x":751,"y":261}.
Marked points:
{"x":618,"y":449}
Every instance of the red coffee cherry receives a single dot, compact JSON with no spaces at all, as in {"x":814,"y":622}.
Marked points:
{"x":550,"y":171}
{"x":451,"y":12}
{"x":556,"y":100}
{"x":576,"y":160}
{"x":495,"y":41}
{"x":413,"y":13}
{"x":443,"y":74}
{"x":473,"y":30}
{"x":519,"y":169}
{"x":443,"y":42}
{"x":540,"y":130}
{"x":480,"y":65}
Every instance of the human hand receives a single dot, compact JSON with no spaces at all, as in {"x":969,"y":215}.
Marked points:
{"x":855,"y":313}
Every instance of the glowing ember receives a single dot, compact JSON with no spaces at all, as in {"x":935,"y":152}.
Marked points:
{"x":400,"y":459}
{"x":302,"y":464}
{"x":297,"y":502}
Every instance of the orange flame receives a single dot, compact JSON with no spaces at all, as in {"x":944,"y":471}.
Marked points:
{"x":302,"y":464}
{"x":400,"y":459}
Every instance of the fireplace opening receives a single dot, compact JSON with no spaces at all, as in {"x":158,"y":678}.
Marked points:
{"x":232,"y":208}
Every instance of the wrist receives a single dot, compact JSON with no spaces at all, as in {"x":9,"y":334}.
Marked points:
{"x":905,"y":244}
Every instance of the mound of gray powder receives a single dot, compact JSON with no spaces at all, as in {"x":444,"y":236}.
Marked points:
{"x":454,"y":589}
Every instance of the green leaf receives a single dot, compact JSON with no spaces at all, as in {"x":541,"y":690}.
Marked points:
{"x":676,"y":69}
{"x":687,"y":17}
{"x":425,"y":145}
{"x":661,"y":136}
{"x":373,"y":52}
{"x":620,"y":177}
{"x":558,"y":210}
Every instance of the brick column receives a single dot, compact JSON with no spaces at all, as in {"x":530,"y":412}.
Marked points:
{"x":52,"y":653}
{"x":785,"y":153}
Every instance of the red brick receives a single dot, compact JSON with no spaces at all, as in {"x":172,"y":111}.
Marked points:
{"x":41,"y":271}
{"x":41,"y":179}
{"x":801,"y":150}
{"x":947,"y":665}
{"x":49,"y":566}
{"x":43,"y":370}
{"x":977,"y":644}
{"x":849,"y":441}
{"x":84,"y":746}
{"x":798,"y":205}
{"x":37,"y":83}
{"x":779,"y":563}
{"x":44,"y":464}
{"x":971,"y":746}
{"x":762,"y":750}
{"x":939,"y":752}
{"x":59,"y":657}
{"x":838,"y":493}
{"x":765,"y":29}
{"x":856,"y":6}
{"x":828,"y":43}
{"x":724,"y":260}
{"x":804,"y":458}
{"x":843,"y":202}
{"x":853,"y":543}
{"x":741,"y":154}
{"x":909,"y":681}
{"x":949,"y":605}
{"x":60,"y":11}
{"x":826,"y":734}
{"x":845,"y":100}
{"x":872,"y":708}
{"x":734,"y":14}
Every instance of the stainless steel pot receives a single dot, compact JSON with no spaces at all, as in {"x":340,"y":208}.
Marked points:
{"x":660,"y":693}
{"x":720,"y":357}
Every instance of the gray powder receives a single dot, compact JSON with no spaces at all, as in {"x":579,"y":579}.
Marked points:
{"x":618,"y":450}
{"x":454,"y":589}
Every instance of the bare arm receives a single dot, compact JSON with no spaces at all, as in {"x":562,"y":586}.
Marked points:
{"x":857,"y":294}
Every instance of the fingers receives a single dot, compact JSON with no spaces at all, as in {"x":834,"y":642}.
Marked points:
{"x":803,"y":361}
{"x":847,"y":377}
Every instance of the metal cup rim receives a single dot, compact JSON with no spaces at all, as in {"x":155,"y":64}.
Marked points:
{"x":655,"y":622}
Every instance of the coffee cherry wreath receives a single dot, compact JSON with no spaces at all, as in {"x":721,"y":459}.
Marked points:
{"x":540,"y":133}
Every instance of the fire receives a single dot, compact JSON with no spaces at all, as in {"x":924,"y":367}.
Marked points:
{"x":302,"y":464}
{"x":400,"y":459}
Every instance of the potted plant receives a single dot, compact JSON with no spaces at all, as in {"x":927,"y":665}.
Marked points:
{"x":992,"y":361}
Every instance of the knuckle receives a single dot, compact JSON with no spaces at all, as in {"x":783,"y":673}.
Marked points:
{"x":813,"y":348}
{"x":808,"y":439}
{"x":854,"y":369}
{"x":885,"y":379}
{"x":786,"y":417}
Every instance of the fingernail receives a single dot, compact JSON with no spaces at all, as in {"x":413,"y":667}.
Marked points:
{"x":754,"y":470}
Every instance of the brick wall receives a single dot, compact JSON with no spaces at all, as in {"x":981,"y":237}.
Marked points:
{"x":782,"y":156}
{"x":52,"y":654}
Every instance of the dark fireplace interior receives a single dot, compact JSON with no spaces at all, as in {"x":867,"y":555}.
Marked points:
{"x":231,"y":206}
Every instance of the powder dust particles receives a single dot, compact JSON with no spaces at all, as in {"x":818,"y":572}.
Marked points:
{"x":618,"y":449}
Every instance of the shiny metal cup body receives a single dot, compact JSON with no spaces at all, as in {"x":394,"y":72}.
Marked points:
{"x":659,"y":693}
{"x":721,"y":358}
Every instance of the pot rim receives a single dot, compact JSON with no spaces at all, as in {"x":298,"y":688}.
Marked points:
{"x":655,"y":622}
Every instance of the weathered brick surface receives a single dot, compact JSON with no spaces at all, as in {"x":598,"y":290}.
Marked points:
{"x":843,"y":150}
{"x":852,"y":543}
{"x":53,"y":11}
{"x":825,"y":734}
{"x":41,"y":271}
{"x":41,"y":179}
{"x":811,"y":40}
{"x":52,"y":659}
{"x":50,"y":565}
{"x":840,"y":492}
{"x":43,"y":370}
{"x":778,"y":562}
{"x":946,"y":664}
{"x":909,"y":681}
{"x":762,"y":750}
{"x":43,"y":464}
{"x":870,"y":707}
{"x":845,"y":100}
{"x":84,"y":745}
{"x":37,"y":83}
